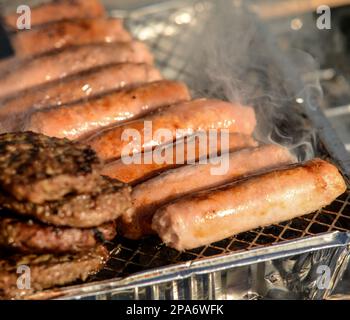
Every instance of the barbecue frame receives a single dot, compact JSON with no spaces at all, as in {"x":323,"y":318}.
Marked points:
{"x":241,"y":267}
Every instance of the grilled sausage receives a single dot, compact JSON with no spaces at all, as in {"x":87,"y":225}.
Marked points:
{"x":178,"y":182}
{"x":189,"y":117}
{"x":64,"y":34}
{"x":263,"y":200}
{"x":134,"y":172}
{"x":77,"y":87}
{"x":59,"y":10}
{"x":59,"y":64}
{"x":74,"y":121}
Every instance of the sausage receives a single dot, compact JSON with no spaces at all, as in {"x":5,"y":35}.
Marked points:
{"x":134,"y":173}
{"x":189,"y":117}
{"x":77,"y":87}
{"x":59,"y":10}
{"x":64,"y":34}
{"x":263,"y":200}
{"x":75,"y":121}
{"x":27,"y":73}
{"x":178,"y":182}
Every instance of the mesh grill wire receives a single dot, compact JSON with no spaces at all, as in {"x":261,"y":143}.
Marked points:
{"x":167,"y":32}
{"x":165,"y":38}
{"x":128,"y":257}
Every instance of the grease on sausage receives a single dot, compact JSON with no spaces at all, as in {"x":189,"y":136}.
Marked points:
{"x":178,"y":182}
{"x":20,"y":74}
{"x":68,"y":33}
{"x":175,"y":155}
{"x":263,"y":200}
{"x":75,"y":121}
{"x":188,"y":117}
{"x":77,"y":87}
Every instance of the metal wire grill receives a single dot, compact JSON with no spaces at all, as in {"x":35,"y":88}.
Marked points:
{"x":128,"y":257}
{"x":166,"y":32}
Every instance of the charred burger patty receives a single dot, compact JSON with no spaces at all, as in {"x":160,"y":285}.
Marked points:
{"x":79,"y":211}
{"x":48,"y":270}
{"x":37,"y":168}
{"x":31,"y":236}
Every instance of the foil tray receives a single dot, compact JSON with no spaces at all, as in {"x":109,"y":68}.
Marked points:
{"x":305,"y":258}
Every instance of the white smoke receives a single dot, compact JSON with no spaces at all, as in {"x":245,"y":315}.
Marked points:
{"x":236,"y":58}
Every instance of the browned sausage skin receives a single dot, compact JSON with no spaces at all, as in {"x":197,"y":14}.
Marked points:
{"x":59,"y":10}
{"x":134,"y":173}
{"x":22,"y":74}
{"x":75,"y":121}
{"x":63,"y":34}
{"x":78,"y":87}
{"x":270,"y":198}
{"x":180,"y":120}
{"x":178,"y":182}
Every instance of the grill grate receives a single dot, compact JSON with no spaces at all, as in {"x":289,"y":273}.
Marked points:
{"x":128,"y":257}
{"x":166,"y":32}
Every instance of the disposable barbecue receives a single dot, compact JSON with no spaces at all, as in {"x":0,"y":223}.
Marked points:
{"x":214,"y":243}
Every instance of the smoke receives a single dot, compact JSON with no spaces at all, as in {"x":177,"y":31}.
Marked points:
{"x":234,"y":57}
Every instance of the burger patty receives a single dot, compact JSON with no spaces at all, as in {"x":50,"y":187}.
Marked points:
{"x":37,"y":168}
{"x":80,"y":211}
{"x":33,"y":237}
{"x":47,"y":271}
